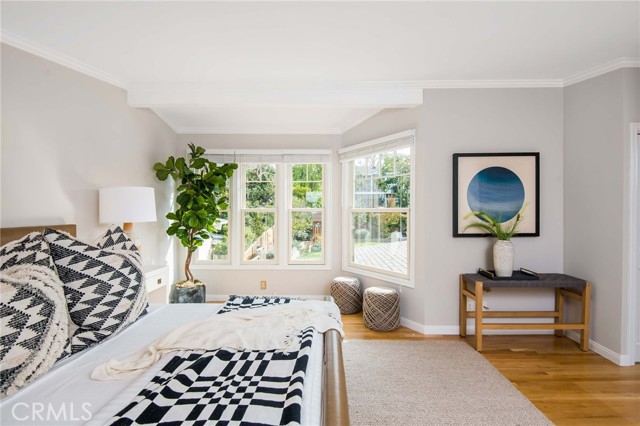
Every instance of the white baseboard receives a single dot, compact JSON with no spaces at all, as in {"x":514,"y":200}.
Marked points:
{"x":444,"y":330}
{"x":616,"y":358}
{"x":415,"y":326}
{"x":441,"y":330}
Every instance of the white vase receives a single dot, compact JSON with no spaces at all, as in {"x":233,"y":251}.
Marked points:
{"x":503,"y":258}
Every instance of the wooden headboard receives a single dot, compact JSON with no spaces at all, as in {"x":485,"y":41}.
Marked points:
{"x":11,"y":234}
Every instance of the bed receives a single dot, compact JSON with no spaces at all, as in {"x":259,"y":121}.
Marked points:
{"x":66,"y":394}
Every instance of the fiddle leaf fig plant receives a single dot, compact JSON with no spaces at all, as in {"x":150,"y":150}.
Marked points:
{"x":201,"y":196}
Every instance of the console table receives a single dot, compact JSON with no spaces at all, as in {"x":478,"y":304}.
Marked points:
{"x":474,"y":285}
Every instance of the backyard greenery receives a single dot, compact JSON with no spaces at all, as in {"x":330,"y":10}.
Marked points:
{"x":260,"y":185}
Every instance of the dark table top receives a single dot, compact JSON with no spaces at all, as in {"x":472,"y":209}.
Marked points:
{"x":545,"y":281}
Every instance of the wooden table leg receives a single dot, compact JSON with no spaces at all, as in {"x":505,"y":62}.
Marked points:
{"x":479,"y":316}
{"x":463,"y":308}
{"x":560,"y":310}
{"x":586,"y":317}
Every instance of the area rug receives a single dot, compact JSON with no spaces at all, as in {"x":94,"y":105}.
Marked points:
{"x":430,"y":383}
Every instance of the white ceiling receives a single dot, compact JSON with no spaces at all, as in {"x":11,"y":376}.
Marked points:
{"x":318,"y":67}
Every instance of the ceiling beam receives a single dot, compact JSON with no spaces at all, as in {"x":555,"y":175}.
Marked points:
{"x":375,"y":95}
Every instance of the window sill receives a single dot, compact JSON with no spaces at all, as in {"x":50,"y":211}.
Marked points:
{"x":271,"y":267}
{"x":380,"y":276}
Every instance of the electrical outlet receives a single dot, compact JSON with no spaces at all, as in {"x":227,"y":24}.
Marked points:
{"x":263,"y":285}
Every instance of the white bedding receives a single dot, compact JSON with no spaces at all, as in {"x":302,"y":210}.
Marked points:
{"x":67,"y":396}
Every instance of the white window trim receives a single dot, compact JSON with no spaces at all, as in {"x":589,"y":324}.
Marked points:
{"x":282,"y":213}
{"x":347,"y":156}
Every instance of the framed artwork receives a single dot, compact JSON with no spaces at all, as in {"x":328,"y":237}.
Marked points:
{"x":500,"y":185}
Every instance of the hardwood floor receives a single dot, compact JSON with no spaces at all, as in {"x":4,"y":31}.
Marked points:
{"x":569,"y":386}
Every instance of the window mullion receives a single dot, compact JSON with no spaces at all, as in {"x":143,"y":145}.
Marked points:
{"x":282,"y":202}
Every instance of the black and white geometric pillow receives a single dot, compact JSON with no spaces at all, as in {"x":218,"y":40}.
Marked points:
{"x":35,"y":324}
{"x":104,"y":288}
{"x":250,"y":302}
{"x":31,"y":249}
{"x":116,"y":239}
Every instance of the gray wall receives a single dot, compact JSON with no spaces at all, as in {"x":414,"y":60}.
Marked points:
{"x":598,"y":113}
{"x":474,"y":120}
{"x":247,"y":281}
{"x":64,"y":136}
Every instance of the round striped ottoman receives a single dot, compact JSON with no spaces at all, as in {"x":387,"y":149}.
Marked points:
{"x":381,"y":308}
{"x":346,"y":292}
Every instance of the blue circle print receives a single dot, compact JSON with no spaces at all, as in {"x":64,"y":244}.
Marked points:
{"x":496,"y":191}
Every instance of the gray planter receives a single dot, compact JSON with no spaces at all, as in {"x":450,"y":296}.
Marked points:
{"x":197,"y":294}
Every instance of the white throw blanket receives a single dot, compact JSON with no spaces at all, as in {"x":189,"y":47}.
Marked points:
{"x":273,"y":327}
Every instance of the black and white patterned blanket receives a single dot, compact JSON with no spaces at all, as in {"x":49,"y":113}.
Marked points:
{"x":225,"y":387}
{"x":247,"y":302}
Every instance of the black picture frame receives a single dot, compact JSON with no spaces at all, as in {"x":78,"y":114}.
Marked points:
{"x":475,"y":178}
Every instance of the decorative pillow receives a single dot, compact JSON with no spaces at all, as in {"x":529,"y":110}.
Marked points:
{"x":104,"y":287}
{"x":117,"y":239}
{"x":30,"y":252}
{"x":35,"y":327}
{"x":248,"y":302}
{"x":31,"y":249}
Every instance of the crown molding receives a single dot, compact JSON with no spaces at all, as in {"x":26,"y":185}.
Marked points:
{"x":488,"y":84}
{"x":26,"y":45}
{"x":602,"y":69}
{"x":166,"y":120}
{"x":22,"y":43}
{"x":286,"y":130}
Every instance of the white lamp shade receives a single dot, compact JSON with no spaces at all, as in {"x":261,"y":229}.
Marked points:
{"x":127,"y":204}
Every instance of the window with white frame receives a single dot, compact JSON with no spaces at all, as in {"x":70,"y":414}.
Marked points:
{"x":306,"y":213}
{"x":377,"y":223}
{"x":258,"y":212}
{"x":276,"y":214}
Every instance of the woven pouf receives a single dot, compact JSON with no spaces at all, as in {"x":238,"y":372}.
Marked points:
{"x":346,"y":292}
{"x":381,"y":309}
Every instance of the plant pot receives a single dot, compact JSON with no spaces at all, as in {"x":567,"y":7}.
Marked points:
{"x":188,"y":292}
{"x":503,"y":253}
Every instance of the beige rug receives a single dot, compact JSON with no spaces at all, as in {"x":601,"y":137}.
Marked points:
{"x":430,"y":383}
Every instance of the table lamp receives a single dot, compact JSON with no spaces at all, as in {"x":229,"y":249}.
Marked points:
{"x":126,"y":205}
